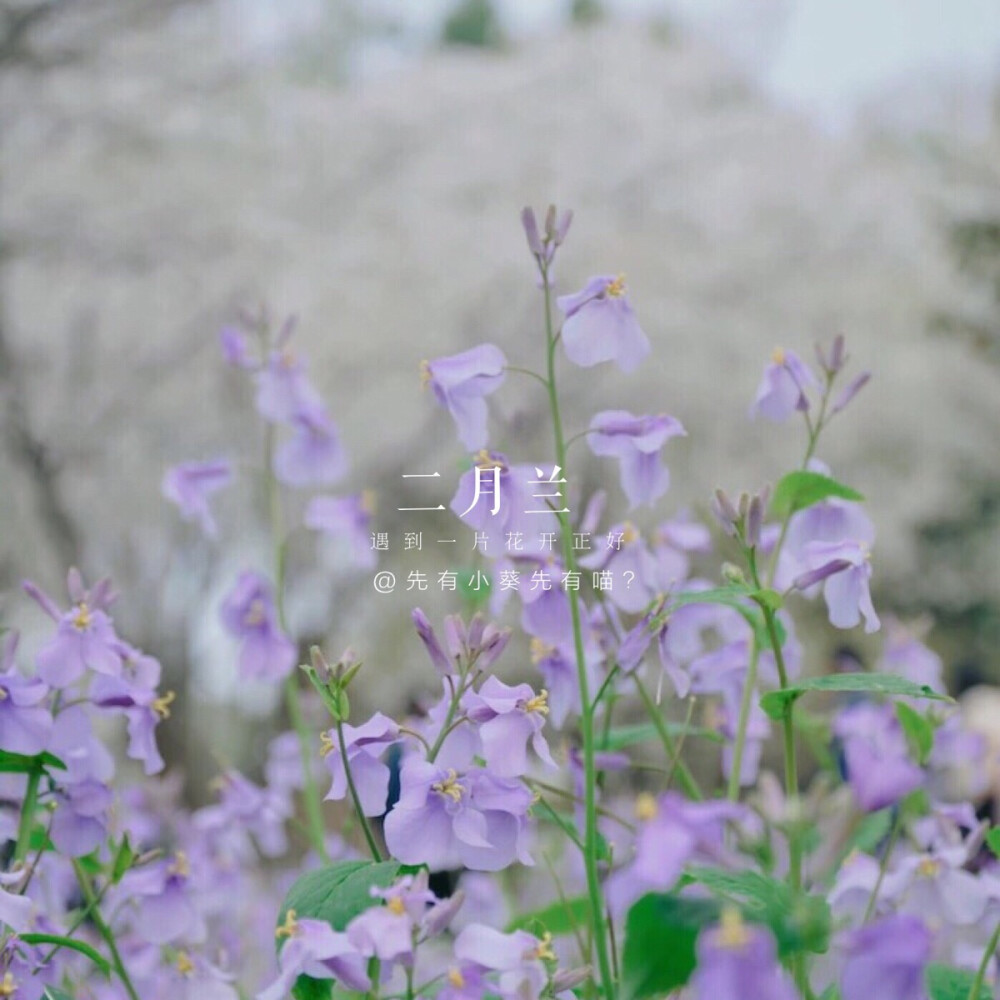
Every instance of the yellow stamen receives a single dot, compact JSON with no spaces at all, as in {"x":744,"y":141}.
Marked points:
{"x":326,"y":744}
{"x":255,"y":613}
{"x":450,"y":786}
{"x":539,"y":704}
{"x":289,"y":928}
{"x":928,"y":867}
{"x":645,"y":806}
{"x":82,"y":619}
{"x":485,"y":461}
{"x":616,"y":288}
{"x":425,"y":374}
{"x":161,"y":705}
{"x":733,"y":932}
{"x":456,"y":978}
{"x":630,"y":533}
{"x":180,"y":865}
{"x":184,"y":964}
{"x":778,"y":356}
{"x":540,"y":650}
{"x":368,"y":501}
{"x":8,"y":987}
{"x":395,"y":905}
{"x":544,"y":949}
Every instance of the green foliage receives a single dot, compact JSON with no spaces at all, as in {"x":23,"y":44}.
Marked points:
{"x":123,"y":860}
{"x":475,"y":23}
{"x":560,"y":917}
{"x":81,"y":947}
{"x":626,"y":736}
{"x":802,"y":489}
{"x":18,"y":763}
{"x":774,"y":702}
{"x":919,"y":731}
{"x":947,"y":983}
{"x":339,"y":892}
{"x":993,"y":840}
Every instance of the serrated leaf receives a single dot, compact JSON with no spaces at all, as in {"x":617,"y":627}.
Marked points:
{"x":773,"y":703}
{"x":560,"y":917}
{"x":802,"y":489}
{"x":919,"y":732}
{"x":19,"y":763}
{"x":339,"y":892}
{"x":625,"y":736}
{"x":945,"y":982}
{"x":72,"y":944}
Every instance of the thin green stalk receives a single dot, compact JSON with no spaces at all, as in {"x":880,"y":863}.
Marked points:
{"x":27,"y":817}
{"x":104,"y":930}
{"x":590,"y":840}
{"x":746,"y":703}
{"x":977,"y":983}
{"x":446,"y":727}
{"x":293,"y":702}
{"x":684,"y":775}
{"x":362,"y":818}
{"x":897,"y":827}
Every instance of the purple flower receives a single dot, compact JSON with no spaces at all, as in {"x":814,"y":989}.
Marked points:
{"x":460,"y":383}
{"x":249,"y":614}
{"x":428,"y":637}
{"x":313,"y":455}
{"x":935,"y":884}
{"x":601,"y":326}
{"x":518,"y":506}
{"x":135,"y":694}
{"x":80,"y":821}
{"x":636,"y":443}
{"x":284,"y":390}
{"x":313,"y":948}
{"x":348,"y":520}
{"x":845,"y":569}
{"x":25,"y":724}
{"x":737,"y":960}
{"x":782,"y":390}
{"x":674,"y":833}
{"x":388,"y":932}
{"x":891,"y":953}
{"x":508,"y":718}
{"x":446,"y":820}
{"x":906,"y":655}
{"x":364,"y":744}
{"x":85,"y":637}
{"x":557,"y":665}
{"x":879,"y":769}
{"x":163,"y":896}
{"x":191,"y":484}
{"x":235,"y":351}
{"x":632,"y":568}
{"x":518,"y":958}
{"x":246,"y":808}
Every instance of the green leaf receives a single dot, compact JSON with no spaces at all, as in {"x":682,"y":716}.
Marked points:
{"x":123,"y":860}
{"x":799,"y":490}
{"x":65,"y":942}
{"x":54,"y":993}
{"x":560,"y":917}
{"x":770,"y":599}
{"x":798,"y":924}
{"x":947,"y":983}
{"x":919,"y":732}
{"x":339,"y":892}
{"x":774,"y":702}
{"x":18,"y":763}
{"x":871,"y":831}
{"x":307,"y":988}
{"x":660,"y":934}
{"x":993,"y":840}
{"x":626,"y":736}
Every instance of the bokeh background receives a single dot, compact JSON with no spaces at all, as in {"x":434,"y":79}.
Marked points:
{"x":765,"y":172}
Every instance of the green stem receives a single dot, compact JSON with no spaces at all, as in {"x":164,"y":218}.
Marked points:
{"x":684,"y":774}
{"x":362,"y":818}
{"x":27,"y":817}
{"x":590,"y":840}
{"x":890,"y":846}
{"x":293,"y":702}
{"x":447,"y":725}
{"x":746,"y":704}
{"x":104,"y":930}
{"x":977,"y":983}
